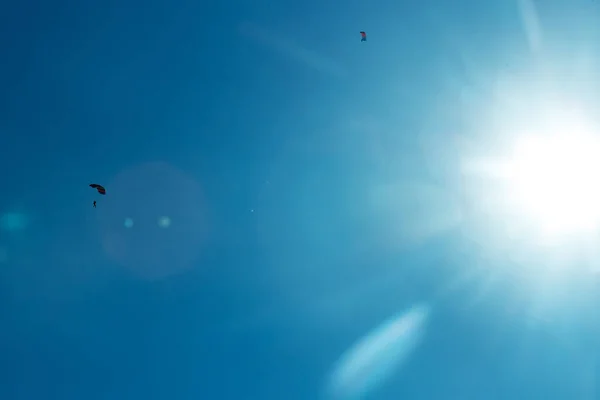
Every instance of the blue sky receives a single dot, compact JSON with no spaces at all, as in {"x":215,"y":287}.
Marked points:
{"x":314,"y":189}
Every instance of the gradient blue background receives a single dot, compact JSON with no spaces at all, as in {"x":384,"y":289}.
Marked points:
{"x":276,"y":110}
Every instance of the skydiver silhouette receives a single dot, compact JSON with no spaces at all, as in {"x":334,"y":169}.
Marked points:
{"x":94,"y":204}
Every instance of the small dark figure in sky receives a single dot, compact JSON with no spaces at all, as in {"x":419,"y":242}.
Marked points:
{"x":100,"y":190}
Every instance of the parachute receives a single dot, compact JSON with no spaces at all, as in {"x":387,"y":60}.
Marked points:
{"x":363,"y":36}
{"x":99,"y":188}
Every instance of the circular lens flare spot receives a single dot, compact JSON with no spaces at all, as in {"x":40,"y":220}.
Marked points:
{"x":164,"y":222}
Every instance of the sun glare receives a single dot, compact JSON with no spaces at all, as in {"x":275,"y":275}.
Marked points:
{"x":547,"y":177}
{"x":555,"y":179}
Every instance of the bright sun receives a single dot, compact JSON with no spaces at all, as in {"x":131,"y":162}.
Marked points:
{"x":556,"y":180}
{"x":551,"y":175}
{"x":548,"y":178}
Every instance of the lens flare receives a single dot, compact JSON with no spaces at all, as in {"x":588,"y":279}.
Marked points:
{"x":374,"y":358}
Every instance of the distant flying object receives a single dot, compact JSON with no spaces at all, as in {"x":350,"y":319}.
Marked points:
{"x":100,"y":190}
{"x":363,"y":36}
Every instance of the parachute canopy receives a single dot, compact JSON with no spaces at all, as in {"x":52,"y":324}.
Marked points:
{"x":99,"y":188}
{"x":363,"y":36}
